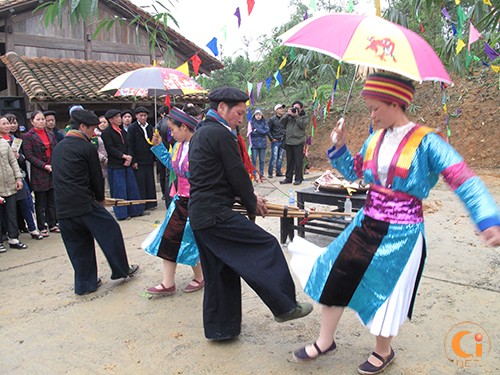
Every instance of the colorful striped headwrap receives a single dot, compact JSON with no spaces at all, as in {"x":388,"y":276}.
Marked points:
{"x":389,"y":88}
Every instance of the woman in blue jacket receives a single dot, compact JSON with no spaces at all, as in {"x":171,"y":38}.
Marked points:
{"x":258,"y":141}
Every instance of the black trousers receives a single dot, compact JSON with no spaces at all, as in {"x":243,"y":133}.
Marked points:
{"x":45,"y":209}
{"x":238,"y":248}
{"x":78,"y":234}
{"x":295,"y":162}
{"x":8,"y":216}
{"x":145,"y":178}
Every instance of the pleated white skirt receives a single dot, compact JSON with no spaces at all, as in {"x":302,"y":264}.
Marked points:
{"x":393,"y":312}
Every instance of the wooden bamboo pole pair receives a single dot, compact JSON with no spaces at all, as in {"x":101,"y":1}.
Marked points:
{"x":123,"y":202}
{"x":276,"y":210}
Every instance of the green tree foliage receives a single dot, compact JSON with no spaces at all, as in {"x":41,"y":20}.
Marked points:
{"x":438,"y":31}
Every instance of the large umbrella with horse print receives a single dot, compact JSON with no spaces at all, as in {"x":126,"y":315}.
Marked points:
{"x":369,"y":41}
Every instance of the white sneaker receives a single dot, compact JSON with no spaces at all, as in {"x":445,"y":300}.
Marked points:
{"x":2,"y":248}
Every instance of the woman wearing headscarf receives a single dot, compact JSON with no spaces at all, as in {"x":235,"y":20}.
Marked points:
{"x":375,"y":265}
{"x":174,"y":240}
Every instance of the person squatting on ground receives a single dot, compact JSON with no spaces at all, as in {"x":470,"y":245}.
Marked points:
{"x":231,"y":246}
{"x":375,"y":265}
{"x":174,"y":240}
{"x":79,"y":191}
{"x":139,"y":135}
{"x":38,"y":144}
{"x":11,"y":181}
{"x":121,"y":178}
{"x":277,"y":132}
{"x":258,"y":139}
{"x":295,"y":122}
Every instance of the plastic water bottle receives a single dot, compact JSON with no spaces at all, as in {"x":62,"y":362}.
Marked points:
{"x":291,"y":199}
{"x":348,"y":207}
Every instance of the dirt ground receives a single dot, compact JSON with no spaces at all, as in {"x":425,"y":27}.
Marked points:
{"x":46,"y":329}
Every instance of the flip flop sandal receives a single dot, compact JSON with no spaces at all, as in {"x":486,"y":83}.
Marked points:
{"x":55,"y":229}
{"x":193,"y":288}
{"x":45,"y":233}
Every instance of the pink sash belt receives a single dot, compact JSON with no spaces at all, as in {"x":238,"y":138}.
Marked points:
{"x":393,"y":207}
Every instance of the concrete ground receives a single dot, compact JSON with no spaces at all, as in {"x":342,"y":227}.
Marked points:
{"x":46,"y":329}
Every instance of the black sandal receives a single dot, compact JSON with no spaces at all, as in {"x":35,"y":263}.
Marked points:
{"x":302,"y":356}
{"x":368,"y":368}
{"x":36,"y":235}
{"x":19,"y":246}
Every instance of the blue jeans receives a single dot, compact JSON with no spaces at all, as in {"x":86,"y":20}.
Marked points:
{"x":261,"y":153}
{"x":277,"y":153}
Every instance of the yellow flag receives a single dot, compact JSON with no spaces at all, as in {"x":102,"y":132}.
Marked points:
{"x":445,"y":108}
{"x":184,"y":68}
{"x":496,"y":68}
{"x":488,"y":2}
{"x":283,"y":63}
{"x":460,"y":45}
{"x":457,"y":2}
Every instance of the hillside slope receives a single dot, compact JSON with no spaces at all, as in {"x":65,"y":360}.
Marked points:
{"x":474,"y":104}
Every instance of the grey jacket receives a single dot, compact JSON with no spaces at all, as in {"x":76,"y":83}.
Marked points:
{"x":9,"y":170}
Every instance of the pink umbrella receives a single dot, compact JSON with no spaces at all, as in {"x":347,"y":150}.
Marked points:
{"x":369,"y":41}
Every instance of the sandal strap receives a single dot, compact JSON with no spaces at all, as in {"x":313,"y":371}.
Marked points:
{"x":379,"y":357}
{"x":198,"y":283}
{"x":317,"y":348}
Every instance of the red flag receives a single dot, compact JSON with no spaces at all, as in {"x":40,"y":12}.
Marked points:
{"x":314,"y":121}
{"x":196,"y":63}
{"x":167,"y":101}
{"x":250,"y":4}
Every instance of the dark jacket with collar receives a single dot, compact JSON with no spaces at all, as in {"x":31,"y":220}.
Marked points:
{"x":78,"y":180}
{"x":35,"y":152}
{"x":276,"y":130}
{"x":216,"y":175}
{"x":115,"y":146}
{"x":138,"y":146}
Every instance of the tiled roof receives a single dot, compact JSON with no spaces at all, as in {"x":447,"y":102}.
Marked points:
{"x":46,"y":79}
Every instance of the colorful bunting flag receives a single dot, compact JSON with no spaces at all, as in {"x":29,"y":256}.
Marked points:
{"x":473,"y":35}
{"x":278,"y":78}
{"x":460,"y":46}
{"x":259,"y":87}
{"x":167,"y":101}
{"x":312,"y":5}
{"x":184,"y":68}
{"x":268,"y":83}
{"x":306,"y":16}
{"x":350,"y":6}
{"x":461,"y":20}
{"x":238,"y":15}
{"x":213,"y":46}
{"x":250,"y":4}
{"x":490,"y":52}
{"x":196,"y":61}
{"x":283,"y":63}
{"x":488,"y":2}
{"x":446,"y":14}
{"x":496,"y":68}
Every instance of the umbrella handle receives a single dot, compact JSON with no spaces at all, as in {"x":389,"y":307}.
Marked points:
{"x":350,"y":91}
{"x":334,"y":135}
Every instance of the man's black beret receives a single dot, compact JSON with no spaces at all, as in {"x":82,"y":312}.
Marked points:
{"x":228,"y":95}
{"x":111,"y":113}
{"x":82,"y":116}
{"x":49,"y":113}
{"x":141,"y":110}
{"x":127,"y":111}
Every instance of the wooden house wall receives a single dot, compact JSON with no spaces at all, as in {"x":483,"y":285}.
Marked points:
{"x":30,"y":37}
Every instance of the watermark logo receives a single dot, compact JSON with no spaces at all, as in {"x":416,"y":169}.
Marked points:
{"x":466,"y":344}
